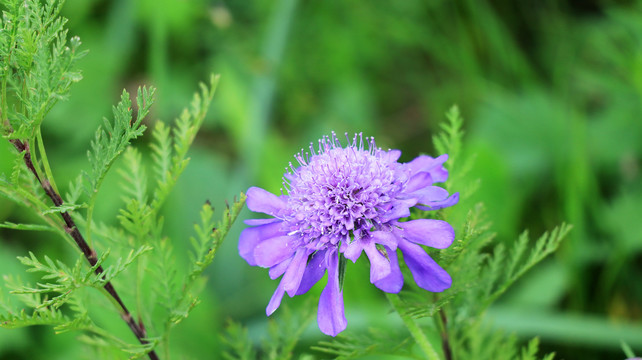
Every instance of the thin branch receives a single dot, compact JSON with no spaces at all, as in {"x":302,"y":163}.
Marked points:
{"x":70,"y":226}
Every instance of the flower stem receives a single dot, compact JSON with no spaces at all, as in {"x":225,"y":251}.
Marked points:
{"x":414,"y":328}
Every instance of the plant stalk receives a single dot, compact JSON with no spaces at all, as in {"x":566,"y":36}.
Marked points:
{"x":445,"y":343}
{"x":414,"y":328}
{"x":70,"y":227}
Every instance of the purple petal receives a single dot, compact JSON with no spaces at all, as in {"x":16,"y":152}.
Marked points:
{"x":274,"y":250}
{"x":275,"y":301}
{"x":314,"y":271}
{"x":379,"y":265}
{"x":259,"y":200}
{"x":278,"y":269}
{"x":434,"y":233}
{"x":256,"y":222}
{"x":391,"y":155}
{"x":436,"y":205}
{"x":251,"y":237}
{"x":427,"y":274}
{"x":400,"y":209}
{"x":331,"y":317}
{"x":434,"y":166}
{"x":385,"y":238}
{"x":353,"y":250}
{"x":294,"y":273}
{"x":439,"y":174}
{"x":430,"y":194}
{"x":418,"y":181}
{"x":394,"y":281}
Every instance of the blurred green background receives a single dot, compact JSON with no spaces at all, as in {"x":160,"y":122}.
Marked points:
{"x":551,"y":91}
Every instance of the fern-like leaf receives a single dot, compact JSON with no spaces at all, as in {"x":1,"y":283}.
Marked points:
{"x":374,"y":342}
{"x":113,"y":138}
{"x":512,"y":269}
{"x":237,"y":342}
{"x":184,"y":132}
{"x":162,"y":152}
{"x":45,"y":316}
{"x":209,"y":237}
{"x":134,"y":177}
{"x":122,"y":264}
{"x":449,"y":141}
{"x":63,"y":208}
{"x":210,"y":234}
{"x":30,"y":227}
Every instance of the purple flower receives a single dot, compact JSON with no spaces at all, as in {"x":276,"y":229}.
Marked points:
{"x":347,"y":201}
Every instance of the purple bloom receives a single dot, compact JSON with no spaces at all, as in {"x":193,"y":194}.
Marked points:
{"x":347,"y":201}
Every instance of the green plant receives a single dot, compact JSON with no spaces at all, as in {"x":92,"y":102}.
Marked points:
{"x":38,"y":68}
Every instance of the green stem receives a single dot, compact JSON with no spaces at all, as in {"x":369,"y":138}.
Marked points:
{"x":31,"y":146}
{"x":45,"y":161}
{"x":414,"y":328}
{"x":166,"y":343}
{"x":3,"y":99}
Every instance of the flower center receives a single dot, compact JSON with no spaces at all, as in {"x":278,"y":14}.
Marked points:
{"x":339,"y":192}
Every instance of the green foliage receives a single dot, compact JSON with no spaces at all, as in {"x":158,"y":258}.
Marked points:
{"x":38,"y":64}
{"x":210,"y":235}
{"x":34,"y":227}
{"x":283,"y":336}
{"x":504,"y":269}
{"x":483,"y":343}
{"x":238,"y":342}
{"x":449,"y":141}
{"x":170,"y":161}
{"x":38,"y":70}
{"x":351,"y":346}
{"x":52,"y":317}
{"x":112,"y":138}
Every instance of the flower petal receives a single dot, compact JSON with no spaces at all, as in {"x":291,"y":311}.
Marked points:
{"x":353,"y":250}
{"x":418,"y":181}
{"x":426,"y":272}
{"x":391,"y":155}
{"x":431,"y":165}
{"x":394,"y":281}
{"x":434,"y":233}
{"x":257,"y":222}
{"x":251,"y":237}
{"x":275,"y":301}
{"x":259,"y":200}
{"x":379,"y":265}
{"x":385,"y":238}
{"x":294,"y":273}
{"x":430,"y":194}
{"x":400,"y":209}
{"x":314,"y":271}
{"x":436,"y":205}
{"x":331,"y":317}
{"x":274,"y":250}
{"x":279,"y":269}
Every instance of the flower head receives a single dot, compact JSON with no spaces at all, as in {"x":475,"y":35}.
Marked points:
{"x":344,"y":201}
